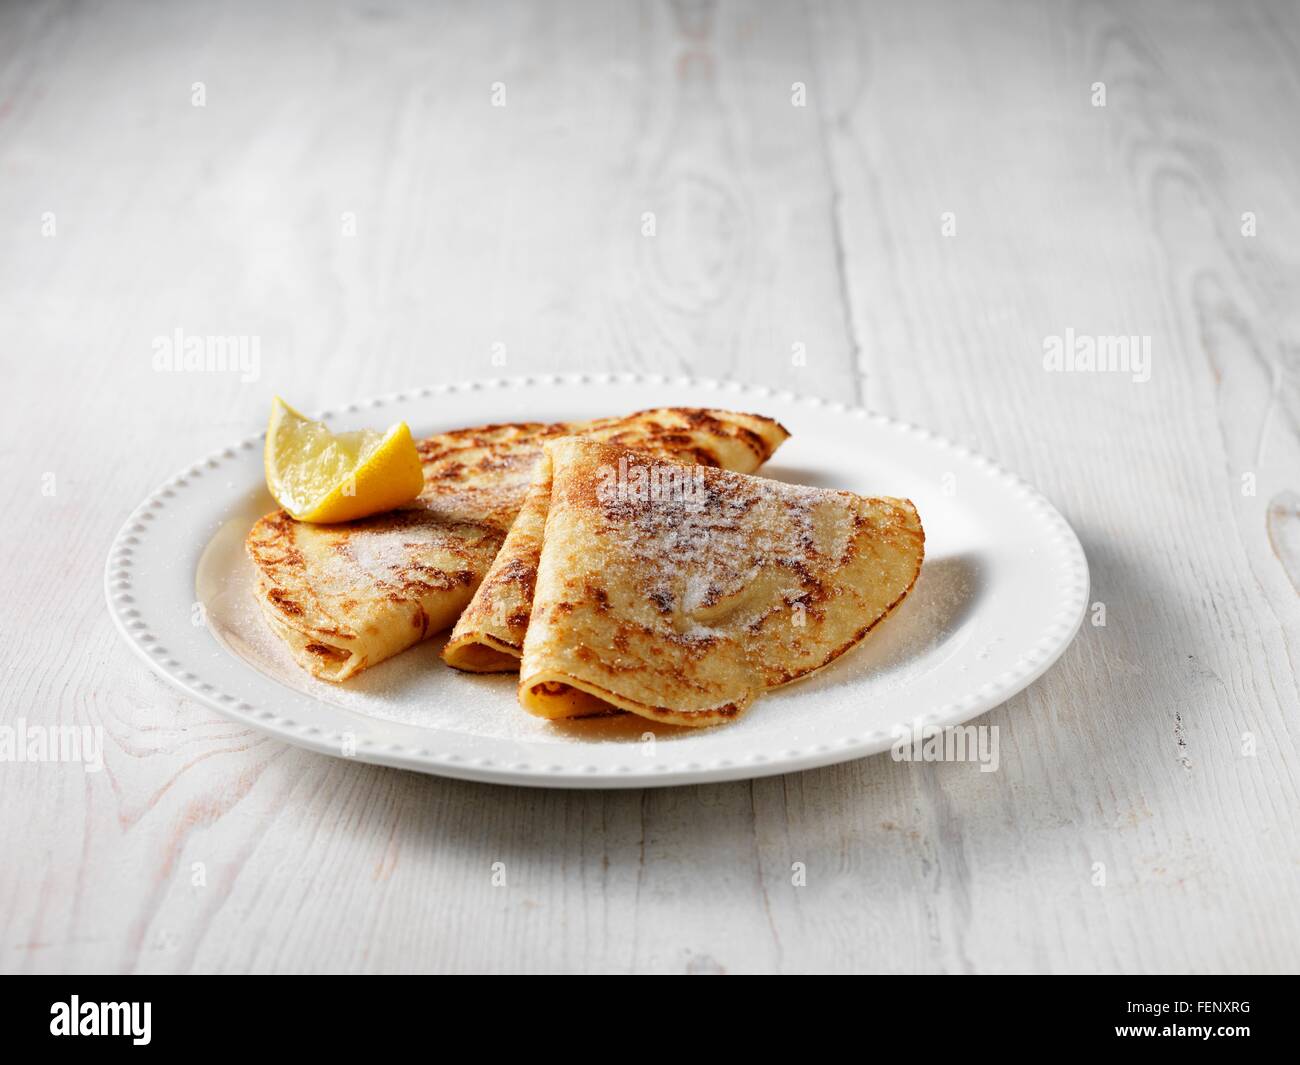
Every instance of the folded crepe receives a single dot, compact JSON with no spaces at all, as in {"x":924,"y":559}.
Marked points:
{"x":489,"y":636}
{"x":683,"y":605}
{"x":345,"y":597}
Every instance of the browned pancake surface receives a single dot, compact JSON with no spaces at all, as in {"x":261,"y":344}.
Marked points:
{"x":685,"y":609}
{"x":345,"y":597}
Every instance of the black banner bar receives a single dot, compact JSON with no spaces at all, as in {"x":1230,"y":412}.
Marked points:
{"x":214,"y":1013}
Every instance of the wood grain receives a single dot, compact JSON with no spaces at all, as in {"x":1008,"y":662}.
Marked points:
{"x":778,"y":229}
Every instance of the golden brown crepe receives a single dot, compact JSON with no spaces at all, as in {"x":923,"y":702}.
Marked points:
{"x":345,"y":597}
{"x":683,"y":607}
{"x":489,"y":635}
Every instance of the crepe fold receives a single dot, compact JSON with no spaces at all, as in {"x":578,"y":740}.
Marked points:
{"x":489,"y":635}
{"x":683,"y":604}
{"x":345,"y":597}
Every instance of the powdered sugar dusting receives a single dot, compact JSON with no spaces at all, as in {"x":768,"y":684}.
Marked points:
{"x":380,"y":555}
{"x":413,"y":688}
{"x":690,"y":552}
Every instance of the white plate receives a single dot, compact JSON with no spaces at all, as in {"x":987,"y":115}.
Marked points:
{"x":1001,"y":594}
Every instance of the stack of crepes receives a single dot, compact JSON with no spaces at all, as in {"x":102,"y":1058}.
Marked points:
{"x":625,"y":564}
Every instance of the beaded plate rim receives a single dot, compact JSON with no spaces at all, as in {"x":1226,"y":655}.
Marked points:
{"x":198,"y":682}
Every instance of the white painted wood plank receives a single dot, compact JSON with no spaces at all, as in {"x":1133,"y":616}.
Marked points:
{"x":1129,"y":219}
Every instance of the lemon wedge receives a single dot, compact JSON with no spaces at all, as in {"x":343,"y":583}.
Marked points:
{"x":320,"y":476}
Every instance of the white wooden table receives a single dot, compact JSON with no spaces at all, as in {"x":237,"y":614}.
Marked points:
{"x":350,"y":194}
